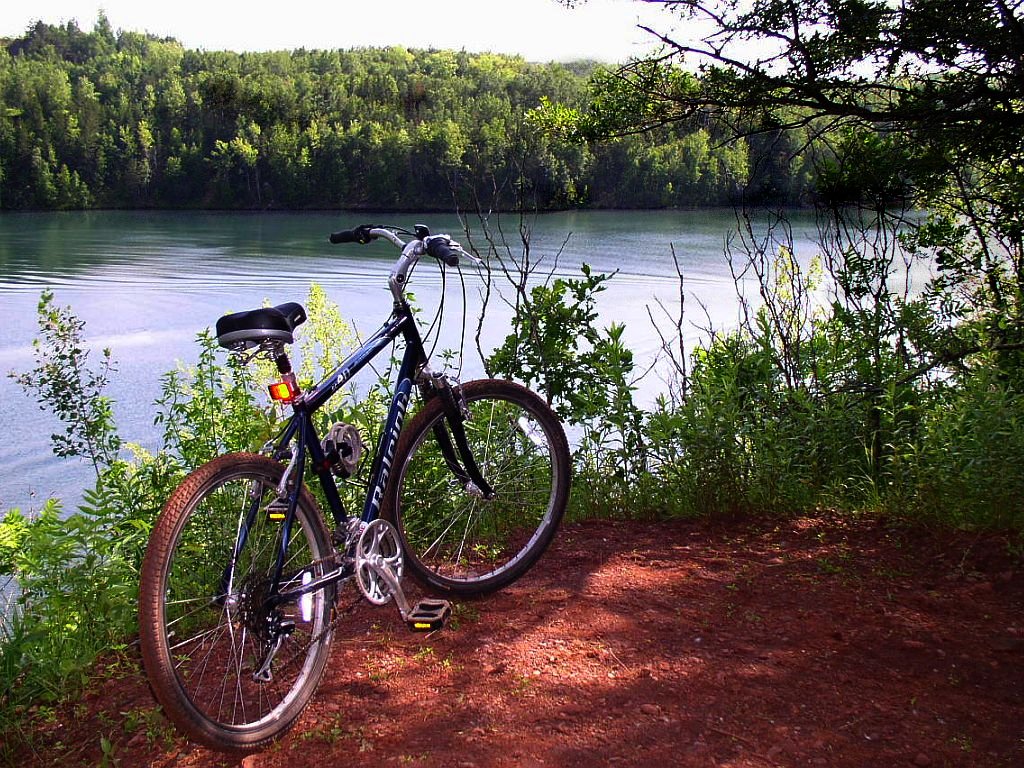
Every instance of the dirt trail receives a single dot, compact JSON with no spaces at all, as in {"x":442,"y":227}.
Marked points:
{"x":817,"y":641}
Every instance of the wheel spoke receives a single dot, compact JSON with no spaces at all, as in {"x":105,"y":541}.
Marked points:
{"x":205,"y":661}
{"x":465,"y":543}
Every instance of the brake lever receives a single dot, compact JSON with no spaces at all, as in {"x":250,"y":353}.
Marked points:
{"x":463,"y":252}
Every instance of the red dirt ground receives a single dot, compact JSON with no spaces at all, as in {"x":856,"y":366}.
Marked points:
{"x":812,"y":641}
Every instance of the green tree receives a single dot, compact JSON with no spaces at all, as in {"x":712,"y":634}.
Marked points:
{"x":140,"y":121}
{"x":886,"y":108}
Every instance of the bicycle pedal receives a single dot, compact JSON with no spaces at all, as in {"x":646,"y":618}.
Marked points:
{"x":277,"y":510}
{"x":429,"y":615}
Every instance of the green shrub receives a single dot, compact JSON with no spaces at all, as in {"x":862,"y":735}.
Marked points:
{"x":966,"y":468}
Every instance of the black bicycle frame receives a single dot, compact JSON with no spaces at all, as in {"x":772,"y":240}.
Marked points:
{"x":402,"y":324}
{"x":301,"y":427}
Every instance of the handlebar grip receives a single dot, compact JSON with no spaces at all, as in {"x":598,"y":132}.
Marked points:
{"x":360,"y":234}
{"x":345,"y":236}
{"x":439,"y":249}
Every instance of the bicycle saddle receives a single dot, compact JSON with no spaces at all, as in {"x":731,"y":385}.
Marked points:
{"x":242,"y":330}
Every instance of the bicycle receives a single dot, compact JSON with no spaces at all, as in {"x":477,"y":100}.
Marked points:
{"x":241,"y":574}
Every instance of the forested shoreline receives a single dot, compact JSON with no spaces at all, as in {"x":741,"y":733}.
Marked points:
{"x":124,"y":120}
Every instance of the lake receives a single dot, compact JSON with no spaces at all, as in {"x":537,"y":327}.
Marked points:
{"x":146,"y":283}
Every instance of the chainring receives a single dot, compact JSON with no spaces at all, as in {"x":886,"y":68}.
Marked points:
{"x":378,"y":548}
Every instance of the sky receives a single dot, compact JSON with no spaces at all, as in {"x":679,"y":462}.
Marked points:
{"x":538,"y":30}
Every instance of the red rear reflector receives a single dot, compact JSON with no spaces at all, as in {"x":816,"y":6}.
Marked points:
{"x":283,"y":391}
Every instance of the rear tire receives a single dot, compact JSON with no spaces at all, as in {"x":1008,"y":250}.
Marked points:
{"x":203,"y":626}
{"x":461,"y":544}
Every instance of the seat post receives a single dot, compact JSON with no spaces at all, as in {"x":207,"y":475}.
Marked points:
{"x":284,"y":365}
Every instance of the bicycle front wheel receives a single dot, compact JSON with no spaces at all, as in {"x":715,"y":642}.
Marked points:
{"x":230,"y":670}
{"x":455,"y":541}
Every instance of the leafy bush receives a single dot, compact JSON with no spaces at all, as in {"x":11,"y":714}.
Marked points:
{"x":965,"y":468}
{"x":585,"y":373}
{"x":76,"y":599}
{"x":63,"y":382}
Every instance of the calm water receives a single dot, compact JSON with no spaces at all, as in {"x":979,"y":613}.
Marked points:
{"x":147,"y":283}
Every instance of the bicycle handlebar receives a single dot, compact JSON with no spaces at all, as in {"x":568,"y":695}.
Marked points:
{"x":438,"y":246}
{"x":441,"y":247}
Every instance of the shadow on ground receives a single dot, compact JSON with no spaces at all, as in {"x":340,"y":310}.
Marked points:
{"x":812,"y":641}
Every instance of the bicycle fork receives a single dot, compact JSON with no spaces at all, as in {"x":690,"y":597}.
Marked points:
{"x":455,"y":446}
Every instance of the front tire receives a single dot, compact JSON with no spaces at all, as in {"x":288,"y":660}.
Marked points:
{"x":461,"y":544}
{"x":205,"y":632}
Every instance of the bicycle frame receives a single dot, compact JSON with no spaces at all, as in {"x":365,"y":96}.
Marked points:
{"x":302,"y":432}
{"x":402,"y":324}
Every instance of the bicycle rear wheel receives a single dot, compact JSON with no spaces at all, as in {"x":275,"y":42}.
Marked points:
{"x":230,"y":672}
{"x":459,"y":543}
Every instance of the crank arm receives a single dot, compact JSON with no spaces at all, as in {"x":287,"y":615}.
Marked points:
{"x":426,"y":616}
